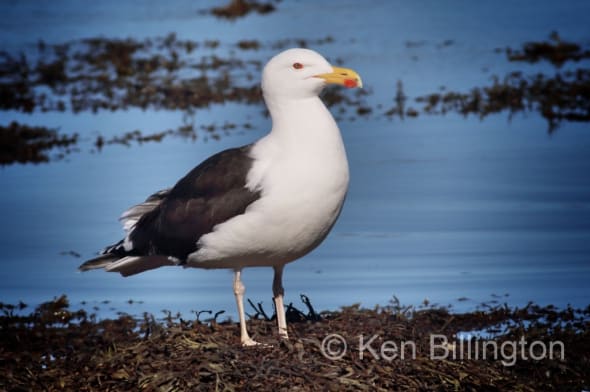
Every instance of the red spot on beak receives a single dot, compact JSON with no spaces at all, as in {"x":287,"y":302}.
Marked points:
{"x":350,"y":83}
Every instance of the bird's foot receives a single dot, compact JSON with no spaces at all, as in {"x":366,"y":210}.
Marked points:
{"x":253,"y":343}
{"x":249,"y":342}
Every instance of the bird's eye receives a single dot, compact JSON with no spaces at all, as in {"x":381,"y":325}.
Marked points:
{"x":297,"y":65}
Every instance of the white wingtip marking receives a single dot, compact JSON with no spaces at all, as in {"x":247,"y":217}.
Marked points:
{"x":117,"y":265}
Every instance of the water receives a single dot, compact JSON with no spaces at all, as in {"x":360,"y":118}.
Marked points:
{"x":440,"y":207}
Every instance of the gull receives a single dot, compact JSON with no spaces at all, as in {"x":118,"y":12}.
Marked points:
{"x":265,"y":204}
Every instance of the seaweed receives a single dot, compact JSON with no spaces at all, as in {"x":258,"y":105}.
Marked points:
{"x":556,"y":50}
{"x":23,"y":144}
{"x":239,"y":8}
{"x":57,"y":348}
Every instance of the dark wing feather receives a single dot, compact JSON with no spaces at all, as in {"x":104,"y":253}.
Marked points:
{"x":210,"y":194}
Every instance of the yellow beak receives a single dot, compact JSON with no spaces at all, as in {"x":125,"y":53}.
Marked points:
{"x":343,"y":76}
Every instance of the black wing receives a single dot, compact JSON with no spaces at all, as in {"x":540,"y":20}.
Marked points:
{"x":208,"y":195}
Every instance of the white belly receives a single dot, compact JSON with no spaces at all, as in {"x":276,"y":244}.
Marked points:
{"x":301,"y":200}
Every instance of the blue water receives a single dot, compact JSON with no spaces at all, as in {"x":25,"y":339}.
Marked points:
{"x":440,"y":207}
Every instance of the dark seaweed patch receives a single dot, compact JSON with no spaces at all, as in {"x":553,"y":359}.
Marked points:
{"x":239,"y":8}
{"x":556,"y":51}
{"x":22,"y":144}
{"x":563,"y":97}
{"x":55,"y":348}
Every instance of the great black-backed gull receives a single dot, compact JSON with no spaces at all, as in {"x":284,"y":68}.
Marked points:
{"x":264,"y":204}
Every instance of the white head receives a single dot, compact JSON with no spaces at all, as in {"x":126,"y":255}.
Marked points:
{"x":302,"y":73}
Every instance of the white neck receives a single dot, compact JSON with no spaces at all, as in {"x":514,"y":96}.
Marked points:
{"x":305,"y":139}
{"x":303,"y":122}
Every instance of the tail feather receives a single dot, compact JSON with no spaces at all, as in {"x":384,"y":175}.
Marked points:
{"x":119,"y":257}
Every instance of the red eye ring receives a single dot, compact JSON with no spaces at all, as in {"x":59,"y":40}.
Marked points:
{"x":297,"y":65}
